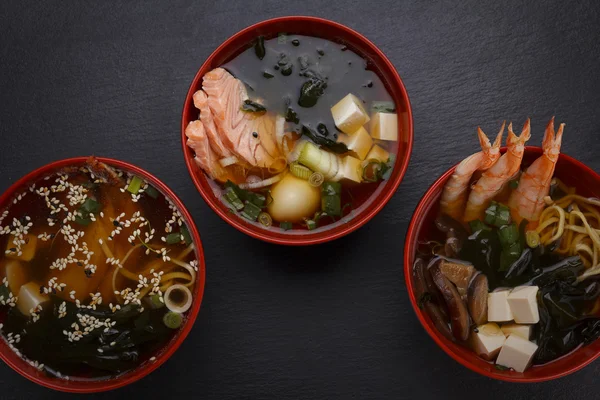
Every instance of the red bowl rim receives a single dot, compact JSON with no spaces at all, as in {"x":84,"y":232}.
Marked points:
{"x":147,"y":368}
{"x":410,"y":247}
{"x":319,"y":237}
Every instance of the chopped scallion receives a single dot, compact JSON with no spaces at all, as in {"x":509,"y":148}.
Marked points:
{"x":251,"y":211}
{"x":532,"y":238}
{"x":135,"y":185}
{"x":508,"y":234}
{"x":286,"y":226}
{"x":233,"y":199}
{"x":173,"y":238}
{"x":331,"y":199}
{"x":90,"y":206}
{"x":172,"y":320}
{"x":151,"y":191}
{"x":265,"y":219}
{"x":310,"y":224}
{"x":300,"y":171}
{"x":478,"y":225}
{"x":186,"y":235}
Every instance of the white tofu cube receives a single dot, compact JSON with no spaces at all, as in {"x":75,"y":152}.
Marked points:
{"x":359,"y":143}
{"x":523,"y":304}
{"x":520,"y":330}
{"x":516,"y":353}
{"x":498,"y":308}
{"x":378,"y":153}
{"x":351,"y":169}
{"x":384,"y":126}
{"x":487,"y":341}
{"x":349,"y":114}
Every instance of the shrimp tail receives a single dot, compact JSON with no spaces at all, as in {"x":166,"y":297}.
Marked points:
{"x":513,"y":139}
{"x":552,"y":142}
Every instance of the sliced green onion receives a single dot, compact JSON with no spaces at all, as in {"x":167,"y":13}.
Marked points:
{"x":371,"y":171}
{"x":508,"y":234}
{"x":186,"y":235}
{"x":173,"y":238}
{"x":258,"y":200}
{"x":514,"y":184}
{"x":233,"y":199}
{"x":300,"y":171}
{"x":490,"y":213}
{"x":251,"y":211}
{"x":172,"y":320}
{"x":310,"y":224}
{"x":151,"y":191}
{"x":286,"y":226}
{"x":502,"y":215}
{"x":478,"y":225}
{"x":281,"y":38}
{"x":383,"y":107}
{"x":154,"y":302}
{"x":135,"y":185}
{"x":265,"y":219}
{"x":331,"y":199}
{"x":532,"y":238}
{"x":316,"y":179}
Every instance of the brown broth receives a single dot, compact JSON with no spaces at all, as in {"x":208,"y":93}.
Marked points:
{"x":139,"y":331}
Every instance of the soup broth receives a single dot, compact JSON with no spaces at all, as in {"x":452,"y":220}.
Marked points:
{"x":90,"y":257}
{"x":321,"y":126}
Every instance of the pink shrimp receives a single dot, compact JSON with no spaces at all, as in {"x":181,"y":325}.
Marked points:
{"x":527,"y":201}
{"x":493,"y":180}
{"x":454,"y":196}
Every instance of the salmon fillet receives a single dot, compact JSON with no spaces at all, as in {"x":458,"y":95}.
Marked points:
{"x":201,"y":103}
{"x":206,"y":157}
{"x":252,"y":138}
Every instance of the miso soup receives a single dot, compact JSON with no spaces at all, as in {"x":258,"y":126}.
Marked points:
{"x":98,"y":272}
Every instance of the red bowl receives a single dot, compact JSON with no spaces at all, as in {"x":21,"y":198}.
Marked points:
{"x":32,"y":373}
{"x":310,"y":26}
{"x":420,"y":229}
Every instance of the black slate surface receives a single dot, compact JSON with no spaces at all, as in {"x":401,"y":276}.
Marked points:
{"x":332,"y":321}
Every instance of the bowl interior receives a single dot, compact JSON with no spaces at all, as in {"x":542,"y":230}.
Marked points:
{"x":85,"y":386}
{"x":376,"y":61}
{"x":570,"y":171}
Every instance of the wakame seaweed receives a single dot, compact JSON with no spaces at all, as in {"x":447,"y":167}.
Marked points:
{"x":253,"y":107}
{"x":311,"y":90}
{"x":332,"y":145}
{"x":259,"y":47}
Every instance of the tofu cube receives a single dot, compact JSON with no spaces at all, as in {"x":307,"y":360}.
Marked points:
{"x":351,"y":169}
{"x":30,"y":297}
{"x":523,"y":304}
{"x":487,"y":341}
{"x":349,"y":114}
{"x":520,"y":330}
{"x":27,"y":249}
{"x":378,"y":153}
{"x":516,"y":353}
{"x":384,"y":126}
{"x":498,"y":308}
{"x":359,"y":143}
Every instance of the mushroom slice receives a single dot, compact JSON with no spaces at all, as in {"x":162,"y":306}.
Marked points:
{"x":458,"y":273}
{"x":477,"y":299}
{"x":427,"y":300}
{"x":459,"y":316}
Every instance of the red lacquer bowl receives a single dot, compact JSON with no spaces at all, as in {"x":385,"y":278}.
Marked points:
{"x":329,"y":30}
{"x":421,"y":228}
{"x":74,"y":386}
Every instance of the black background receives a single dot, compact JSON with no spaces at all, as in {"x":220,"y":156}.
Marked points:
{"x":332,"y":321}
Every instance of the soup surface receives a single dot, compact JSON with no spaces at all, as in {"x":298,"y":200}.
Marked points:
{"x":97,"y":269}
{"x":296,"y":133}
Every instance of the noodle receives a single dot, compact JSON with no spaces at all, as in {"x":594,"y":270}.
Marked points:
{"x":575,"y":221}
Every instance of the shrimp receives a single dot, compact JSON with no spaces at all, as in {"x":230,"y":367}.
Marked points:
{"x":493,"y":180}
{"x":527,"y":200}
{"x":454,"y":196}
